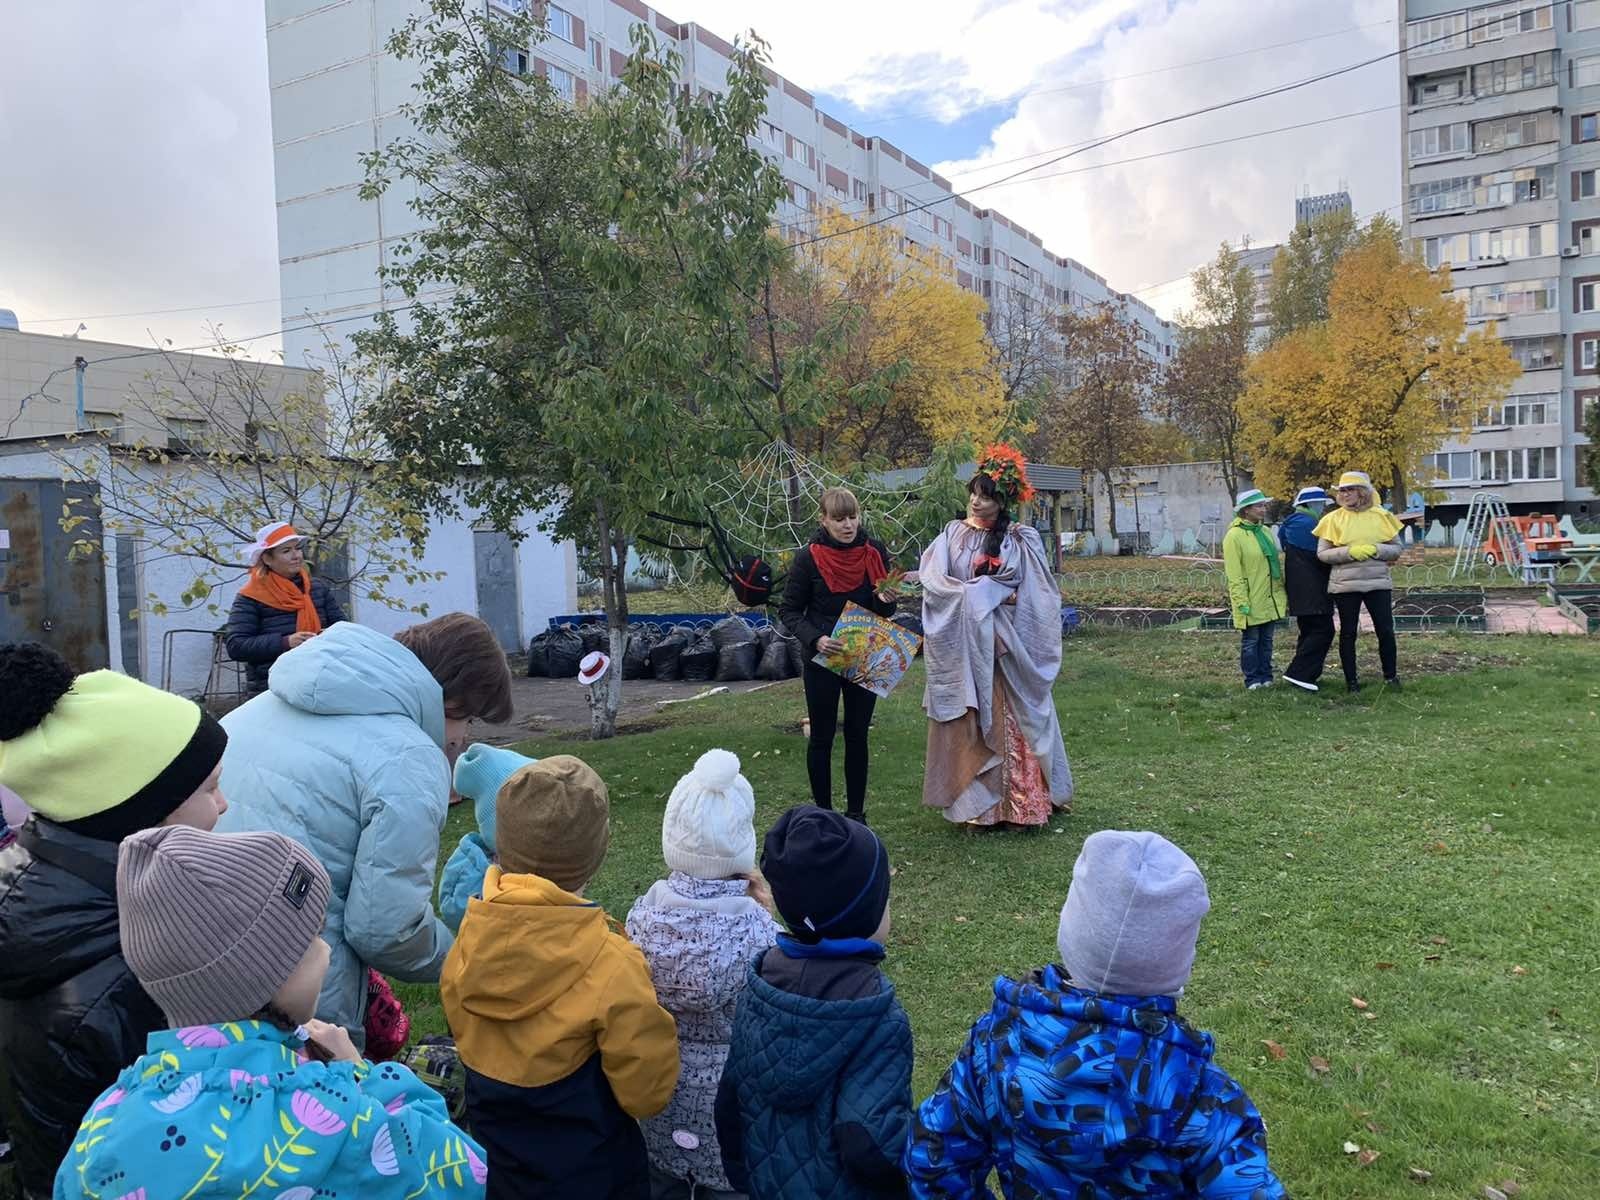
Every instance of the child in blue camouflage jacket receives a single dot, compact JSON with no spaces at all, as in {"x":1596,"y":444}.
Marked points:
{"x":1083,"y":1081}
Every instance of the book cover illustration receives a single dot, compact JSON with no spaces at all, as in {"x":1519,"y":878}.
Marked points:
{"x":877,"y":651}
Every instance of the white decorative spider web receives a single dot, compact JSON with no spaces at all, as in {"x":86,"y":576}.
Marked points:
{"x":767,"y":505}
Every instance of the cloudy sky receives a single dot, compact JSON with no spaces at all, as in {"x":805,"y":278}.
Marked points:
{"x":138,"y":183}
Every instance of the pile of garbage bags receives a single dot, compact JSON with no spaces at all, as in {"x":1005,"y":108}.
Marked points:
{"x":729,"y":651}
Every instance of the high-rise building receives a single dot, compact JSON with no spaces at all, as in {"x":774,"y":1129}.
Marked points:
{"x":1260,"y":259}
{"x":1499,"y":100}
{"x":1309,"y":208}
{"x":336,"y":93}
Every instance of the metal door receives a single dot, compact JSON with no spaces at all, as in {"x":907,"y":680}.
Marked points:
{"x":46,"y":594}
{"x":496,"y":558}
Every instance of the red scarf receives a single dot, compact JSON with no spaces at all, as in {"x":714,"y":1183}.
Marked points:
{"x":269,"y":588}
{"x":848,"y":569}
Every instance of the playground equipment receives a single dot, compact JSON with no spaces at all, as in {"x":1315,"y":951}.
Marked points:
{"x":1530,"y":547}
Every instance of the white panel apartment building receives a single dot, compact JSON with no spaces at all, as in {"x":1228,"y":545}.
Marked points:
{"x":335,"y":94}
{"x":1500,"y":145}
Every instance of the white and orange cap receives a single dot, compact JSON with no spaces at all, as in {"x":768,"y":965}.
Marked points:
{"x":270,"y":537}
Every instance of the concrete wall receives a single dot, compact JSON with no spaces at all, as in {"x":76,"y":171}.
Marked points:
{"x":1171,"y":498}
{"x":546,"y":576}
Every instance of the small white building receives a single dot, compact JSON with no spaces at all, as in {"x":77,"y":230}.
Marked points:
{"x":1162,"y":501}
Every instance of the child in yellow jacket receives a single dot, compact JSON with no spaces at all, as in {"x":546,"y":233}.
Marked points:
{"x":552,"y":1008}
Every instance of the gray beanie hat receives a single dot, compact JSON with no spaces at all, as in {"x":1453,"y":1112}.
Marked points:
{"x":1132,"y":915}
{"x":213,"y":924}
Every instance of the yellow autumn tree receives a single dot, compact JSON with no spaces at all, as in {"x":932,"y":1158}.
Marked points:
{"x":1390,"y":376}
{"x":914,"y":368}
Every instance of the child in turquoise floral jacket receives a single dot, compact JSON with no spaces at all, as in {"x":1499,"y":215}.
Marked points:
{"x":246,"y":1094}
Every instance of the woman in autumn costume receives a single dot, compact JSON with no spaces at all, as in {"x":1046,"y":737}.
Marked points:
{"x":842,"y":565}
{"x":245,"y":1093}
{"x":991,"y":616}
{"x":280,"y":606}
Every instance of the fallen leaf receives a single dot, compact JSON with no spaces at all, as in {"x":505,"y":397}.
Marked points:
{"x":961,"y":920}
{"x":1369,"y":1016}
{"x":1439,"y":940}
{"x":1511,"y":1187}
{"x":1432,"y":957}
{"x":1519,"y":970}
{"x":1351,"y":1148}
{"x":1320,"y":1065}
{"x":1374,"y":1127}
{"x":1277,"y":1052}
{"x":1493,"y":1193}
{"x":1359,"y":1003}
{"x":1366,"y":1158}
{"x":1287,"y":854}
{"x":1438,"y":848}
{"x":1385,"y":966}
{"x":1419,"y":1174}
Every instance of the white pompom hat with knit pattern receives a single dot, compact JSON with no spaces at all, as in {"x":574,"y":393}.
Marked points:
{"x":709,"y":827}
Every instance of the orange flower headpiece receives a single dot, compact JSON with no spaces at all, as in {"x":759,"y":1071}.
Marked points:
{"x":1006,"y":466}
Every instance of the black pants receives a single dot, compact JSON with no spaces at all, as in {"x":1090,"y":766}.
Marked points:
{"x":1380,"y":606}
{"x":1311,"y":650}
{"x":823,"y":689}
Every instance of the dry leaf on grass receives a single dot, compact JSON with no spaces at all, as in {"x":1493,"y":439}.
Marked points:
{"x":1319,"y":1065}
{"x":1386,"y":966}
{"x":1366,"y":1158}
{"x":1519,"y":970}
{"x":1439,"y":940}
{"x":1277,"y":1052}
{"x":1418,"y":1174}
{"x":1359,"y":1003}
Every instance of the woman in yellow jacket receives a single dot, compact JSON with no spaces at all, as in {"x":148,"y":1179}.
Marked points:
{"x":1255,"y":585}
{"x":1360,"y":541}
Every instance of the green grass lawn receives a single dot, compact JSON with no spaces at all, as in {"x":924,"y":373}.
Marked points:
{"x":1430,"y":854}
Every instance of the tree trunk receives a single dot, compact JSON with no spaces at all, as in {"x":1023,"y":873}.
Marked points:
{"x":605,"y":697}
{"x":1111,"y":503}
{"x":1397,"y":486}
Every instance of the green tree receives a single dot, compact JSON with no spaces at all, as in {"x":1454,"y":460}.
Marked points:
{"x":1591,"y":452}
{"x":1203,"y":386}
{"x":583,"y":282}
{"x":1302,"y":273}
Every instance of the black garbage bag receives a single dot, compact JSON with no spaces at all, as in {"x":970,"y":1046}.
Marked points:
{"x":776,"y":660}
{"x":699,"y":660}
{"x":539,"y":656}
{"x":636,"y":658}
{"x":738,"y":662}
{"x":730,"y":631}
{"x":596,"y":635}
{"x":565,"y":653}
{"x":666,"y":656}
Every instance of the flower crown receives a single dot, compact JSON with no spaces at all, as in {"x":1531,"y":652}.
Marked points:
{"x":1006,"y":466}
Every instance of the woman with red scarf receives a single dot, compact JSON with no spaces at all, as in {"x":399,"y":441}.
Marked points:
{"x":842,"y":564}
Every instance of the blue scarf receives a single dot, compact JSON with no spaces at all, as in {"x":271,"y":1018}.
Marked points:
{"x":831,"y":948}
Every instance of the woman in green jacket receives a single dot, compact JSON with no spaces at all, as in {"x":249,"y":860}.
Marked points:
{"x":1255,"y":585}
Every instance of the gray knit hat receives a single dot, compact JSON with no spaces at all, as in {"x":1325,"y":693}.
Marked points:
{"x":1132,"y":915}
{"x":213,"y":924}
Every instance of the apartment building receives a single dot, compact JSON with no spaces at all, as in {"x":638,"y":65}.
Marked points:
{"x":1309,"y":208}
{"x":336,"y":93}
{"x":1500,"y":105}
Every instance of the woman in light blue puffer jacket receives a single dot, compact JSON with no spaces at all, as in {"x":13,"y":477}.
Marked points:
{"x":345,"y":754}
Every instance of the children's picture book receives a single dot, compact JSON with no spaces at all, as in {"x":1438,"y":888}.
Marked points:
{"x":877,"y":652}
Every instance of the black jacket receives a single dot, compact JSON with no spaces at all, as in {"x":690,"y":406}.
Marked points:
{"x":569,"y":1140}
{"x":257,"y":633}
{"x":809,"y":610}
{"x":72,"y":1015}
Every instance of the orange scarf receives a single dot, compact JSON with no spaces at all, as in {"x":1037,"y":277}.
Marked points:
{"x":268,"y":587}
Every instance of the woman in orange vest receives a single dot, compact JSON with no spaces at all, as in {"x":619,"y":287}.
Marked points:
{"x":280,"y":606}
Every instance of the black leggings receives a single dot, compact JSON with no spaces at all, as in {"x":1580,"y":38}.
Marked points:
{"x":823,"y":689}
{"x":1380,"y":606}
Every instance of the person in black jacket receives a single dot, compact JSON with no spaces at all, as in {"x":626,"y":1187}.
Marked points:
{"x":98,"y":757}
{"x":842,"y":564}
{"x":280,"y":606}
{"x":1305,"y":578}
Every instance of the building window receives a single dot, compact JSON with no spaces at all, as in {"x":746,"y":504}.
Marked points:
{"x":1439,"y":140}
{"x":1508,"y":133}
{"x":1588,"y":295}
{"x":1588,"y":353}
{"x":108,"y":423}
{"x":1520,"y":241}
{"x":1455,"y":466}
{"x":185,"y":434}
{"x":801,"y":153}
{"x":564,"y":83}
{"x":1535,"y":353}
{"x":1543,"y":408}
{"x":1437,"y":35}
{"x":1516,"y":74}
{"x":1516,"y":299}
{"x":1587,"y":128}
{"x":1438,"y":89}
{"x":560,"y":23}
{"x":1586,"y":14}
{"x":858,"y":189}
{"x":515,"y":61}
{"x":1585,"y":184}
{"x":1519,"y":466}
{"x":835,"y":192}
{"x":1582,"y":402}
{"x":1585,"y":71}
{"x":1482,"y":191}
{"x":802,"y":197}
{"x":597,"y":54}
{"x":772,"y":136}
{"x":1508,"y":20}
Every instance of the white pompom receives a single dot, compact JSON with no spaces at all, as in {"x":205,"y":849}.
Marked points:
{"x":717,"y":769}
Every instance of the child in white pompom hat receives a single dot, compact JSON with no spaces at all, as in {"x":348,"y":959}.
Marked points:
{"x":699,"y":929}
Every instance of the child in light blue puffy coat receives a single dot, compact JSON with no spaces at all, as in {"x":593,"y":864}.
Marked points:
{"x":479,"y":773}
{"x":246,"y":1093}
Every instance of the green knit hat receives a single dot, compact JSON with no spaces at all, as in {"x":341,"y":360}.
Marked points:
{"x":100,"y":753}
